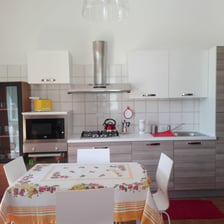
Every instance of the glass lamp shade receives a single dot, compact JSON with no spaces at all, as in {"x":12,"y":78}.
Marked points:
{"x":105,"y":10}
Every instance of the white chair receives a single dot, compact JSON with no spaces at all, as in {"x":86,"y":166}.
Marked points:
{"x":163,"y":174}
{"x":85,"y":206}
{"x":14,"y":169}
{"x":94,"y":155}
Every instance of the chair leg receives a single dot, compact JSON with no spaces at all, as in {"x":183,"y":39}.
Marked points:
{"x":168,"y":217}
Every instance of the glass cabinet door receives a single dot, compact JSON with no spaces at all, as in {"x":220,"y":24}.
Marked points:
{"x":9,"y":127}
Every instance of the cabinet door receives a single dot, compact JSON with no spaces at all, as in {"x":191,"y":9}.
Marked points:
{"x":194,"y":167}
{"x":148,"y":154}
{"x":188,"y":73}
{"x":14,"y":99}
{"x":219,"y":165}
{"x":148,"y":74}
{"x":119,"y":151}
{"x":48,"y":67}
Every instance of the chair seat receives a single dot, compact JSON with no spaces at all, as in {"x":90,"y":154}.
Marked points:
{"x":161,"y":201}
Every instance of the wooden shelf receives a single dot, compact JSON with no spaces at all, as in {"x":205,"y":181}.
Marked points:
{"x":4,"y":136}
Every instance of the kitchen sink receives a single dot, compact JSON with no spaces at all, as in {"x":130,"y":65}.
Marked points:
{"x":188,"y":133}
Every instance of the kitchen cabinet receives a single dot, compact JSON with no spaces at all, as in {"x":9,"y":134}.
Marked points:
{"x":219,"y":72}
{"x":219,"y":165}
{"x":119,"y":151}
{"x":148,"y":74}
{"x":168,"y":74}
{"x":49,"y":67}
{"x":14,"y":99}
{"x":188,"y":73}
{"x":194,"y":165}
{"x":148,"y":153}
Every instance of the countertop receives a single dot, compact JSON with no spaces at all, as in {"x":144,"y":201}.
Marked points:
{"x":136,"y":137}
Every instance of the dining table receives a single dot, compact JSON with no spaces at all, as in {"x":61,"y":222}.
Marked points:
{"x":32,"y":197}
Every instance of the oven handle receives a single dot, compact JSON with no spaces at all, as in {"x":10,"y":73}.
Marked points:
{"x":45,"y":155}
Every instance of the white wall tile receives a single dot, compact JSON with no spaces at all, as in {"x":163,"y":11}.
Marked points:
{"x":164,"y":118}
{"x":139,"y":106}
{"x":78,"y":108}
{"x":188,"y":118}
{"x":64,"y":96}
{"x":164,"y":106}
{"x":53,"y":95}
{"x":175,"y":106}
{"x":175,"y":118}
{"x":91,"y":107}
{"x":152,"y":106}
{"x":188,"y":105}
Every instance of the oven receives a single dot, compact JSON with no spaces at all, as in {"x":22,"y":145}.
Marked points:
{"x":45,"y":136}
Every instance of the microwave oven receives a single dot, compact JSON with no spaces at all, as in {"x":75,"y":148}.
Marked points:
{"x":45,"y":127}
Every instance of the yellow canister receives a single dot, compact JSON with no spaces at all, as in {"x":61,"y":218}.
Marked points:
{"x":42,"y":105}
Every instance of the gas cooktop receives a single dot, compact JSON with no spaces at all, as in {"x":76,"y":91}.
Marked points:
{"x":99,"y":134}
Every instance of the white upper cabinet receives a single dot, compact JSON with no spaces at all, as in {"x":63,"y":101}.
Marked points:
{"x":188,"y":73}
{"x":49,"y":67}
{"x":168,"y":74}
{"x":148,"y":74}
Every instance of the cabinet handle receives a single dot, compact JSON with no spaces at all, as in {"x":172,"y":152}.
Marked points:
{"x":194,"y":143}
{"x":153,"y":144}
{"x":149,"y":94}
{"x":187,"y":94}
{"x":98,"y":147}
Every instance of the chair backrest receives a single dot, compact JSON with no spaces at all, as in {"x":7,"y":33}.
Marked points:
{"x":99,"y":155}
{"x":163,"y":172}
{"x":14,"y":169}
{"x":85,"y":206}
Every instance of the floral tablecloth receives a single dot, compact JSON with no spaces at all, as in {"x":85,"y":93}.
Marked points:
{"x":31,"y":199}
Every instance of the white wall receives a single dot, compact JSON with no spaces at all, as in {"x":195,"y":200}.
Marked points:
{"x":26,"y":25}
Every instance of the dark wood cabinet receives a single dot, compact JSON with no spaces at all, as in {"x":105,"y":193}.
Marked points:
{"x":14,"y":99}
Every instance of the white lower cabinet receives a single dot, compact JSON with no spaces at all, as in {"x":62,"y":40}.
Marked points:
{"x":194,"y":165}
{"x":148,"y":153}
{"x":119,"y":151}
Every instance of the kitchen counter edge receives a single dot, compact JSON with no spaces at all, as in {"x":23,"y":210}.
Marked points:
{"x":137,"y":137}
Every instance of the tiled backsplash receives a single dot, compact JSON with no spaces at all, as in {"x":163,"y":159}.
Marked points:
{"x":90,"y":110}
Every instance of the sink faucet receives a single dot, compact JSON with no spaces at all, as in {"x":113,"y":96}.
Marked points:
{"x":178,"y":126}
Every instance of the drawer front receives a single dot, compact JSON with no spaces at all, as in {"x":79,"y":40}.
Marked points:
{"x":119,"y":152}
{"x":192,"y":144}
{"x":45,"y":147}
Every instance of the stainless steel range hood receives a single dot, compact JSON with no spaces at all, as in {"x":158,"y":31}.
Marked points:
{"x":100,"y":85}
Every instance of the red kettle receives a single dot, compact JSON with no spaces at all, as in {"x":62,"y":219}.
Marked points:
{"x":109,"y":124}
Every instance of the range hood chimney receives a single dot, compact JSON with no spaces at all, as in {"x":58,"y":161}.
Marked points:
{"x":99,"y":59}
{"x":100,"y":85}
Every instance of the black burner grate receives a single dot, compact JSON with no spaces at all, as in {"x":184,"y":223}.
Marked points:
{"x":99,"y":134}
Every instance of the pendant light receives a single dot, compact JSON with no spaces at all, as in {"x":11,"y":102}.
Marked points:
{"x":105,"y":10}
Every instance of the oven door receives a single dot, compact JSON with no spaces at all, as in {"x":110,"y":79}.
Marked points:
{"x":33,"y":158}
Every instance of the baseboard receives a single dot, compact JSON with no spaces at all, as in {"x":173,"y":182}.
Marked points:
{"x":196,"y":193}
